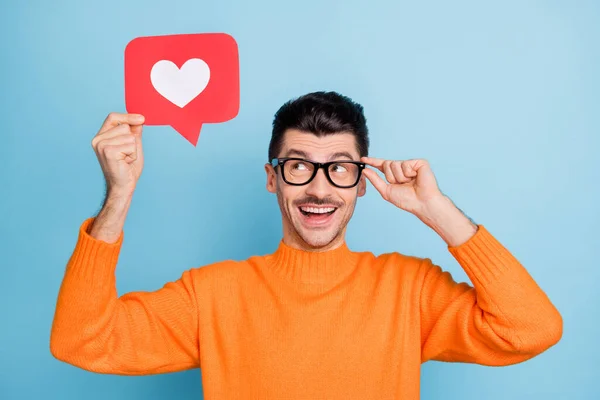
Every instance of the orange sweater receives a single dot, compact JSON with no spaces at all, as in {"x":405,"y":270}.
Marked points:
{"x":303,"y":325}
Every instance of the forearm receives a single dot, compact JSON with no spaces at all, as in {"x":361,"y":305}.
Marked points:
{"x":87,"y":301}
{"x":110,"y":221}
{"x":503,"y":319}
{"x":506,"y":291}
{"x":503,"y":286}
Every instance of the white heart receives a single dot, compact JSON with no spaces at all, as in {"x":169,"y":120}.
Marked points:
{"x":180,"y":86}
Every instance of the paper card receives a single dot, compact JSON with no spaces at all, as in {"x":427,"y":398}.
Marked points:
{"x":183,"y":80}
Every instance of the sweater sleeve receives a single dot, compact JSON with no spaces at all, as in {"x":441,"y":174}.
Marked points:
{"x":503,"y":319}
{"x":135,"y":334}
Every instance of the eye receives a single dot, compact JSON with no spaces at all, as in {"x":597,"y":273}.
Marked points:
{"x":338,"y":168}
{"x":299,"y":165}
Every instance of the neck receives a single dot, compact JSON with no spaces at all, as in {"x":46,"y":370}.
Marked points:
{"x":322,"y":268}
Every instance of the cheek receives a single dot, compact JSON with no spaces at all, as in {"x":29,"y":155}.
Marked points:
{"x":349,"y":199}
{"x":288,"y":194}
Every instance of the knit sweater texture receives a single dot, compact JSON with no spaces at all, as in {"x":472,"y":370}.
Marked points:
{"x":295,"y":324}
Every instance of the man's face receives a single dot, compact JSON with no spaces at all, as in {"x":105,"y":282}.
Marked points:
{"x":314,"y":232}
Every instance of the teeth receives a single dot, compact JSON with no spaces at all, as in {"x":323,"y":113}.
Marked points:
{"x":315,"y":210}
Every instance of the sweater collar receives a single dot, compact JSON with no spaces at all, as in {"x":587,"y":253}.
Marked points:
{"x":312,"y":267}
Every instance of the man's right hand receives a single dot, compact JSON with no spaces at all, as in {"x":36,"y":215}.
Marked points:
{"x":118,"y":146}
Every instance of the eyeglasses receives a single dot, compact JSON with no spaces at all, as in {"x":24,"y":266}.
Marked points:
{"x":298,"y":171}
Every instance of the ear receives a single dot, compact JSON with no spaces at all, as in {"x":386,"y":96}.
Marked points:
{"x":362,"y":185}
{"x":271,"y":178}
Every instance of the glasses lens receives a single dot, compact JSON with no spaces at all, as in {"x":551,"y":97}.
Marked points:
{"x":343,"y":174}
{"x":297,"y":171}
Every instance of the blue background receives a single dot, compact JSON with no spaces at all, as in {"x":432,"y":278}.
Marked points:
{"x":502,"y":99}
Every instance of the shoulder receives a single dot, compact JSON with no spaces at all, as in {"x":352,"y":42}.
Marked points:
{"x":394,"y":262}
{"x":227,"y":279}
{"x":224,"y":268}
{"x":227,"y":271}
{"x":389,"y":258}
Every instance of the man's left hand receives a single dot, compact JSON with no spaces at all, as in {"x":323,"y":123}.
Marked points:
{"x":411,"y":186}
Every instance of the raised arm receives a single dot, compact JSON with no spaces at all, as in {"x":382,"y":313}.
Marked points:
{"x":504,"y":318}
{"x":139,"y":332}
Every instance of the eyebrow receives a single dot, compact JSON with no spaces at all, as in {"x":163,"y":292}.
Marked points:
{"x":334,"y":156}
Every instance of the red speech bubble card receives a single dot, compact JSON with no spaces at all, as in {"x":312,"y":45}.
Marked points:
{"x":183,"y":80}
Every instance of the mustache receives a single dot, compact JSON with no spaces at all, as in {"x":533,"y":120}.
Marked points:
{"x":318,"y":202}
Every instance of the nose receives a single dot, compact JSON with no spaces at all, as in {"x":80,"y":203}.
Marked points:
{"x":319,"y":186}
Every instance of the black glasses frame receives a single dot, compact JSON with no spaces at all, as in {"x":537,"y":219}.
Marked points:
{"x":317,"y":166}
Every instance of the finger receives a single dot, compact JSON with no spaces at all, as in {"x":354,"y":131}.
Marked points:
{"x":125,"y":152}
{"x":113,"y":119}
{"x":408,"y":168}
{"x":377,"y":182}
{"x":387,"y":169}
{"x":105,"y":144}
{"x":374,"y":162}
{"x":137,"y":130}
{"x":123,"y":129}
{"x":398,"y":172}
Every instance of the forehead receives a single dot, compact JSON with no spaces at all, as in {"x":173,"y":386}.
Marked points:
{"x":319,"y":148}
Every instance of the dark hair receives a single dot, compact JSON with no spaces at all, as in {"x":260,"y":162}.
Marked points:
{"x":320,"y":113}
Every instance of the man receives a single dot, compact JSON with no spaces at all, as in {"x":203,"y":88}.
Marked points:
{"x":313,"y":320}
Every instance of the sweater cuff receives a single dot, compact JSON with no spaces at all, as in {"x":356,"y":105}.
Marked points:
{"x":483,"y":257}
{"x":94,"y":253}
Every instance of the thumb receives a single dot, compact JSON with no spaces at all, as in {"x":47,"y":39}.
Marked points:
{"x":377,"y":181}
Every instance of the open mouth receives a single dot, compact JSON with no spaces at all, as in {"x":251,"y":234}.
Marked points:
{"x":317,"y":215}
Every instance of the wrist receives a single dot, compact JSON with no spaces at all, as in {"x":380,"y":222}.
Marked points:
{"x":447,"y":220}
{"x":117,"y":194}
{"x":431,"y":210}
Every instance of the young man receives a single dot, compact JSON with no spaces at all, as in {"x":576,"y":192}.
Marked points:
{"x":313,"y":320}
